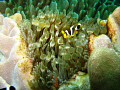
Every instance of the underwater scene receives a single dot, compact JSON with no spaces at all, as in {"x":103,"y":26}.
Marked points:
{"x":59,"y":44}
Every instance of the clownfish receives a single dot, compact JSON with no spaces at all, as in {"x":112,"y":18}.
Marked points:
{"x":8,"y":88}
{"x":73,"y":31}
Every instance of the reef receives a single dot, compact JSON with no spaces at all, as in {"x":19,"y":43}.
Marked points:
{"x":36,"y":46}
{"x":55,"y":58}
{"x":84,"y":8}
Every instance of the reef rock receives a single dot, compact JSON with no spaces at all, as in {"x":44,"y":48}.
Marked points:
{"x":104,"y":69}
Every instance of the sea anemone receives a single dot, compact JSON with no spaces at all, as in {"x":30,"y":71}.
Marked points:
{"x":55,"y":58}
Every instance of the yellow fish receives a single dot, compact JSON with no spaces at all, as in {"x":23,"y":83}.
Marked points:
{"x":73,"y":31}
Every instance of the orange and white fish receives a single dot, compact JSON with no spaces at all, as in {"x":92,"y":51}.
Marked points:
{"x":72,"y":31}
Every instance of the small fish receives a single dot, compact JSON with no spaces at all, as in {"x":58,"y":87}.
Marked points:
{"x":73,"y":31}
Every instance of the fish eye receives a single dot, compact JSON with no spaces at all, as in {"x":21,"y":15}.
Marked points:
{"x":78,"y":26}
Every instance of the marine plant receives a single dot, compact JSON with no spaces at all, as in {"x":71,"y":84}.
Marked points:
{"x":55,"y":58}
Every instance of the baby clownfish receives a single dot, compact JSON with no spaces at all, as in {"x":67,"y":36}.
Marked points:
{"x":73,"y":31}
{"x":9,"y":88}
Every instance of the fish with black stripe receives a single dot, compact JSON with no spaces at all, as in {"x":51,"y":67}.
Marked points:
{"x":72,"y":31}
{"x":8,"y":88}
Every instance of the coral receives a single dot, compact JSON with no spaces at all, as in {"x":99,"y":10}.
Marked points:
{"x":22,"y":74}
{"x":78,"y":81}
{"x":84,"y":8}
{"x":104,"y":69}
{"x":99,"y":41}
{"x":8,"y":32}
{"x":13,"y":53}
{"x":17,"y":18}
{"x":56,"y":59}
{"x":3,"y":83}
{"x":114,"y":28}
